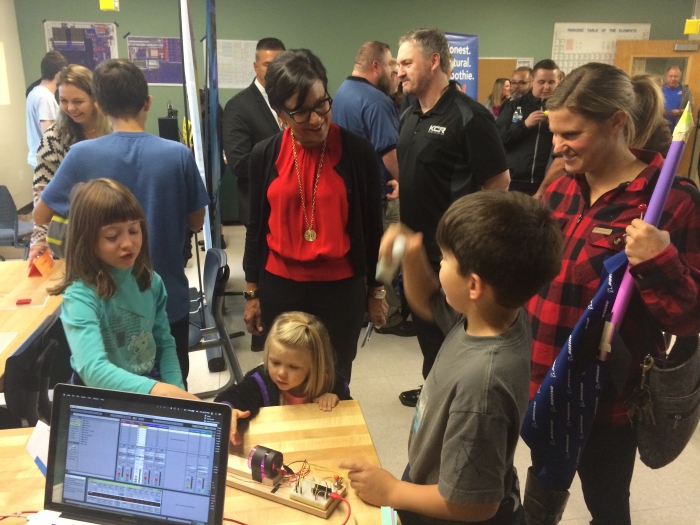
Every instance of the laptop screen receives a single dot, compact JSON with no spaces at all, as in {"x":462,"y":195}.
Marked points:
{"x":140,"y":457}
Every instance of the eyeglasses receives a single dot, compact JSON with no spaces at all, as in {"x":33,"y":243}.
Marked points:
{"x":520,"y":82}
{"x":303,"y":115}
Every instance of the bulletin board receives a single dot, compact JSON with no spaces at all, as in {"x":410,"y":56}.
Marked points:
{"x":159,"y":58}
{"x":84,"y":43}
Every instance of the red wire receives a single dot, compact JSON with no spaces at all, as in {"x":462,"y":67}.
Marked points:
{"x":335,"y":495}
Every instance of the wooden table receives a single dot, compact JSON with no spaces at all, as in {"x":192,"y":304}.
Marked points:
{"x":299,"y":432}
{"x":22,"y":321}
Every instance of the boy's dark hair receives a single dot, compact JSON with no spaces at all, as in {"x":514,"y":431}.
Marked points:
{"x":270,"y":44}
{"x":120,"y":88}
{"x":508,"y":239}
{"x":52,"y":63}
{"x":548,"y":64}
{"x":293,"y":71}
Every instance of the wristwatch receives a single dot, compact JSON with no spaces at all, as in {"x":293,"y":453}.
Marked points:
{"x":378,"y":294}
{"x":253,"y":294}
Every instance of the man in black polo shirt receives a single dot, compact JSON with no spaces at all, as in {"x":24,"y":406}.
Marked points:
{"x":448,"y":147}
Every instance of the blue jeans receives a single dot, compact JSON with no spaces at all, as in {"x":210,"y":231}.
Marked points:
{"x":506,"y":514}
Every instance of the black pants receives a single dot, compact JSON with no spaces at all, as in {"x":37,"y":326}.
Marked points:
{"x":605,"y":470}
{"x":339,"y":304}
{"x":510,"y":512}
{"x":243,"y":185}
{"x":430,"y":337}
{"x":180,"y":330}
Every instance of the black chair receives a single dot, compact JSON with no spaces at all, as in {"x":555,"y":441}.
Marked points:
{"x":213,"y":334}
{"x":28,"y":377}
{"x":13,"y":232}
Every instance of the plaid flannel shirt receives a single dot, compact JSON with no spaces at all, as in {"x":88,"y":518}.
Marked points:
{"x":667,"y":296}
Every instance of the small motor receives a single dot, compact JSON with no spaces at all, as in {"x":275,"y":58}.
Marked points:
{"x":264,"y":462}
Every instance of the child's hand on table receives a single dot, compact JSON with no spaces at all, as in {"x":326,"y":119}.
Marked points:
{"x":236,"y":438}
{"x":326,"y":402}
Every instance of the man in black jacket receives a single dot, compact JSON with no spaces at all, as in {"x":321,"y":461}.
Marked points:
{"x":248,"y":119}
{"x":524,"y":130}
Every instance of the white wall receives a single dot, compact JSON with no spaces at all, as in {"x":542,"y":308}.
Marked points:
{"x":15,"y":173}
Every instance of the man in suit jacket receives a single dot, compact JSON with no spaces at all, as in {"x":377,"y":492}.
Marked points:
{"x":248,"y":119}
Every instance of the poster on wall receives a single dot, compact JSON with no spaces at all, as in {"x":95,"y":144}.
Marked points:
{"x":578,"y":44}
{"x":84,"y":43}
{"x":235,"y":62}
{"x":465,"y":50}
{"x":159,"y":58}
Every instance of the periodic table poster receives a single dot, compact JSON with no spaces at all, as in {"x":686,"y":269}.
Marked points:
{"x":578,"y":44}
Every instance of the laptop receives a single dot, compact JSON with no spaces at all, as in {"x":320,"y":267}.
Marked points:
{"x":124,"y":458}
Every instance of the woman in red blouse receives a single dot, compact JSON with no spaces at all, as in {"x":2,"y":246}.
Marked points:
{"x":315,"y":214}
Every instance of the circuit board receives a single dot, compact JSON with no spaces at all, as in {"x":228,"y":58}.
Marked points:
{"x":308,"y":494}
{"x":314,"y":493}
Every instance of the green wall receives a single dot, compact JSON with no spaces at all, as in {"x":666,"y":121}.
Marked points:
{"x":334,"y":29}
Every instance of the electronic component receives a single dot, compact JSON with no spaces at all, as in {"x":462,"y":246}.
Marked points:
{"x":316,"y":493}
{"x":264,"y":462}
{"x":286,"y":484}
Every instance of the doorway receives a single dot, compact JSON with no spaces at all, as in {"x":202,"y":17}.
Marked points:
{"x":655,"y":57}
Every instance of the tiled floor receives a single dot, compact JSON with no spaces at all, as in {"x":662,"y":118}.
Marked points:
{"x":388,"y":364}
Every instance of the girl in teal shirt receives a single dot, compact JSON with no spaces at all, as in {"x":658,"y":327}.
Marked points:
{"x":113,"y":308}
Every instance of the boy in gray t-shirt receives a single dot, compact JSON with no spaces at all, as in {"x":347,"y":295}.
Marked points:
{"x":498,"y":249}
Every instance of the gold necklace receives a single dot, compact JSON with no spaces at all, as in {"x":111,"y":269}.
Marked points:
{"x":309,"y":234}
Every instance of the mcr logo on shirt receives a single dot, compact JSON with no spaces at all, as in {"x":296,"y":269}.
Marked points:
{"x":437,"y":130}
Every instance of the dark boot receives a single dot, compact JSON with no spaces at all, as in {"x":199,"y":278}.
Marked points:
{"x":542,"y":507}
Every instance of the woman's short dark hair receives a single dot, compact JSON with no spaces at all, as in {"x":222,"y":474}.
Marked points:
{"x":507,"y":238}
{"x":120,"y":88}
{"x":293,"y":72}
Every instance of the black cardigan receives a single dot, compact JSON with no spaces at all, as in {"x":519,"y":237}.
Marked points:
{"x":359,"y":168}
{"x":257,"y":390}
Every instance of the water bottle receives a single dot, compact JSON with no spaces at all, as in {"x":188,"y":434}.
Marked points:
{"x":518,"y":114}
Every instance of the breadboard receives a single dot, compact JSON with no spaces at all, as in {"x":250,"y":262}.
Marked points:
{"x":312,"y":493}
{"x":239,"y":477}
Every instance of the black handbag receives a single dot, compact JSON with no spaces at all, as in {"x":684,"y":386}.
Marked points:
{"x":666,"y":405}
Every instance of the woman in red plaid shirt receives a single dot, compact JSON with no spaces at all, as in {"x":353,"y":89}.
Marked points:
{"x":592,"y":115}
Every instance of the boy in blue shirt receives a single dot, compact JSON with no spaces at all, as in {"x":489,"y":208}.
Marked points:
{"x":498,"y":249}
{"x":162,"y":174}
